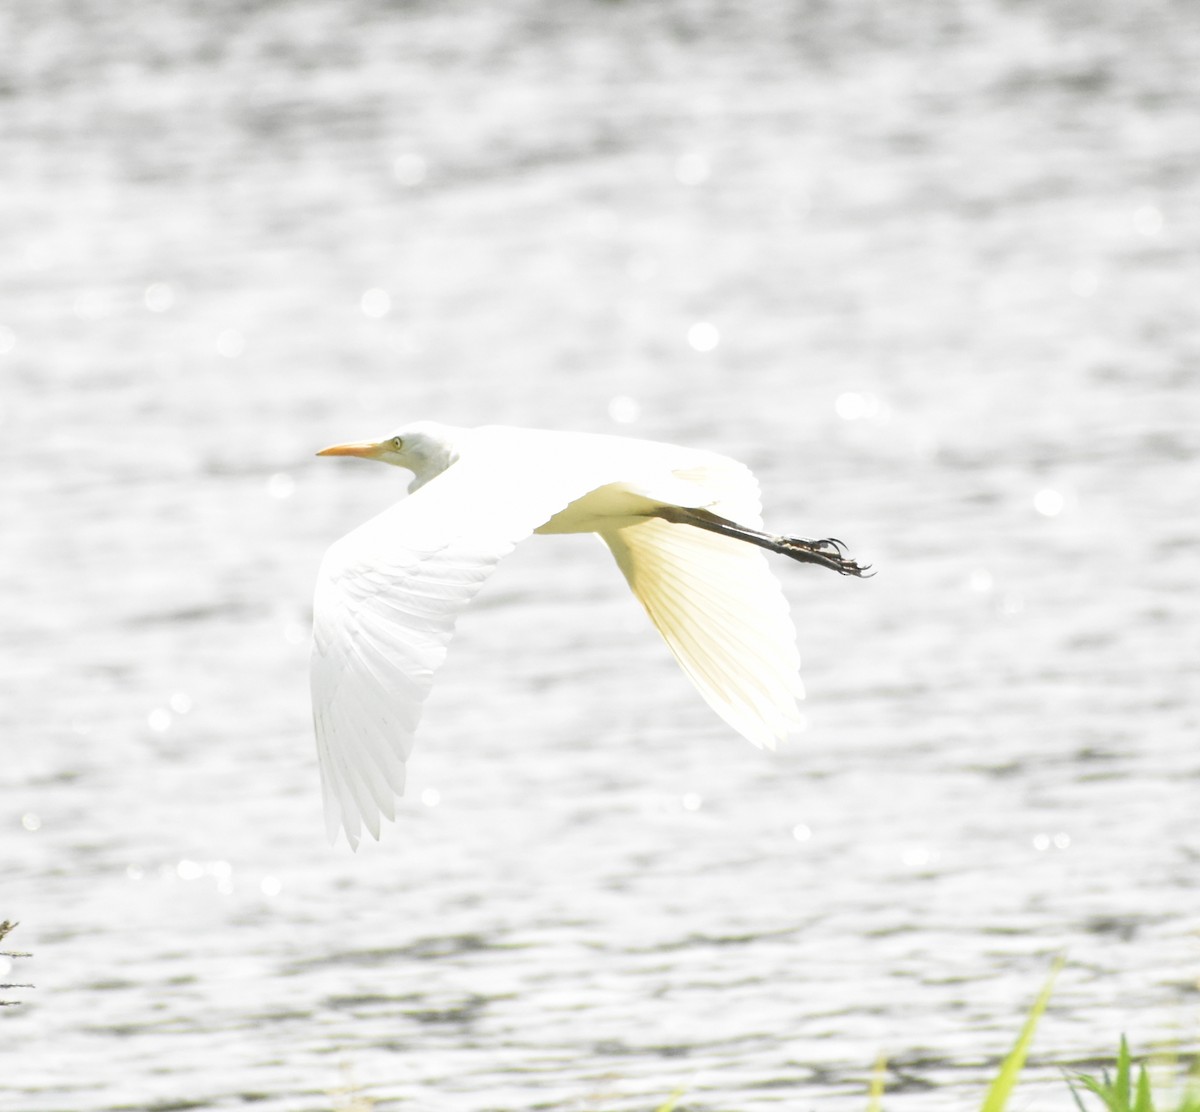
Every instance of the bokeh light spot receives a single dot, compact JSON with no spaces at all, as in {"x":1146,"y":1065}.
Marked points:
{"x":40,"y":255}
{"x":980,"y":580}
{"x":641,"y":268}
{"x":692,"y":168}
{"x":376,"y":303}
{"x":1148,"y":220}
{"x":624,"y":410}
{"x":231,"y":343}
{"x":602,"y":224}
{"x":1049,"y":503}
{"x":31,"y":822}
{"x":855,"y":406}
{"x":159,"y":297}
{"x":91,"y":305}
{"x":409,"y":169}
{"x":1084,"y":282}
{"x":703,"y":336}
{"x":1011,"y":604}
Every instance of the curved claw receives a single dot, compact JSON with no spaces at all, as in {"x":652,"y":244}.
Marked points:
{"x":825,"y":544}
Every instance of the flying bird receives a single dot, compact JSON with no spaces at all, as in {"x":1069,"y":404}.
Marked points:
{"x":684,"y":525}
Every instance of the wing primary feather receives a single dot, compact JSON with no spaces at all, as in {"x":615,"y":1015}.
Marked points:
{"x":724,"y":610}
{"x":369,"y":743}
{"x":736,"y":697}
{"x":735,"y":635}
{"x":723,"y":616}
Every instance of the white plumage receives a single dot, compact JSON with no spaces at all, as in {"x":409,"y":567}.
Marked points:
{"x":388,"y":593}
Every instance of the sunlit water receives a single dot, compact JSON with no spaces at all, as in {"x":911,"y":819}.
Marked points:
{"x":931,"y":269}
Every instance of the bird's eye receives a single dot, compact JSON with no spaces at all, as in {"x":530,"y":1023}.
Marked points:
{"x":397,"y":443}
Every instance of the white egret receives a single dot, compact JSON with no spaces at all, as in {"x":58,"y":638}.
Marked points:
{"x":684,"y":525}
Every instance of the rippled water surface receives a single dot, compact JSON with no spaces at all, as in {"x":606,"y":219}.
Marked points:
{"x":932,"y":270}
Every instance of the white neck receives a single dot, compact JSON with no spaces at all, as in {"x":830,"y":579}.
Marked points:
{"x":430,"y":449}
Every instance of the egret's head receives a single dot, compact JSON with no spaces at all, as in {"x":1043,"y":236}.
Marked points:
{"x":425,"y":448}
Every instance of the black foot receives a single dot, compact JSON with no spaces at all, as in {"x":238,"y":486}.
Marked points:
{"x":828,"y":552}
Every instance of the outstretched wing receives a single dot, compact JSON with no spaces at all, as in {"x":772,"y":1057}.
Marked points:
{"x":387,"y":598}
{"x":725,"y":618}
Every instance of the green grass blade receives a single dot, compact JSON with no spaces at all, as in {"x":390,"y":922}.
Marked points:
{"x":875,"y":1097}
{"x":1001,"y":1088}
{"x":671,"y":1102}
{"x":1075,"y":1097}
{"x":1101,"y":1088}
{"x":1144,"y":1103}
{"x":1121,"y":1088}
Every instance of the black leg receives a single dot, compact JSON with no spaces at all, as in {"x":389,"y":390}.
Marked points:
{"x":827,"y":553}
